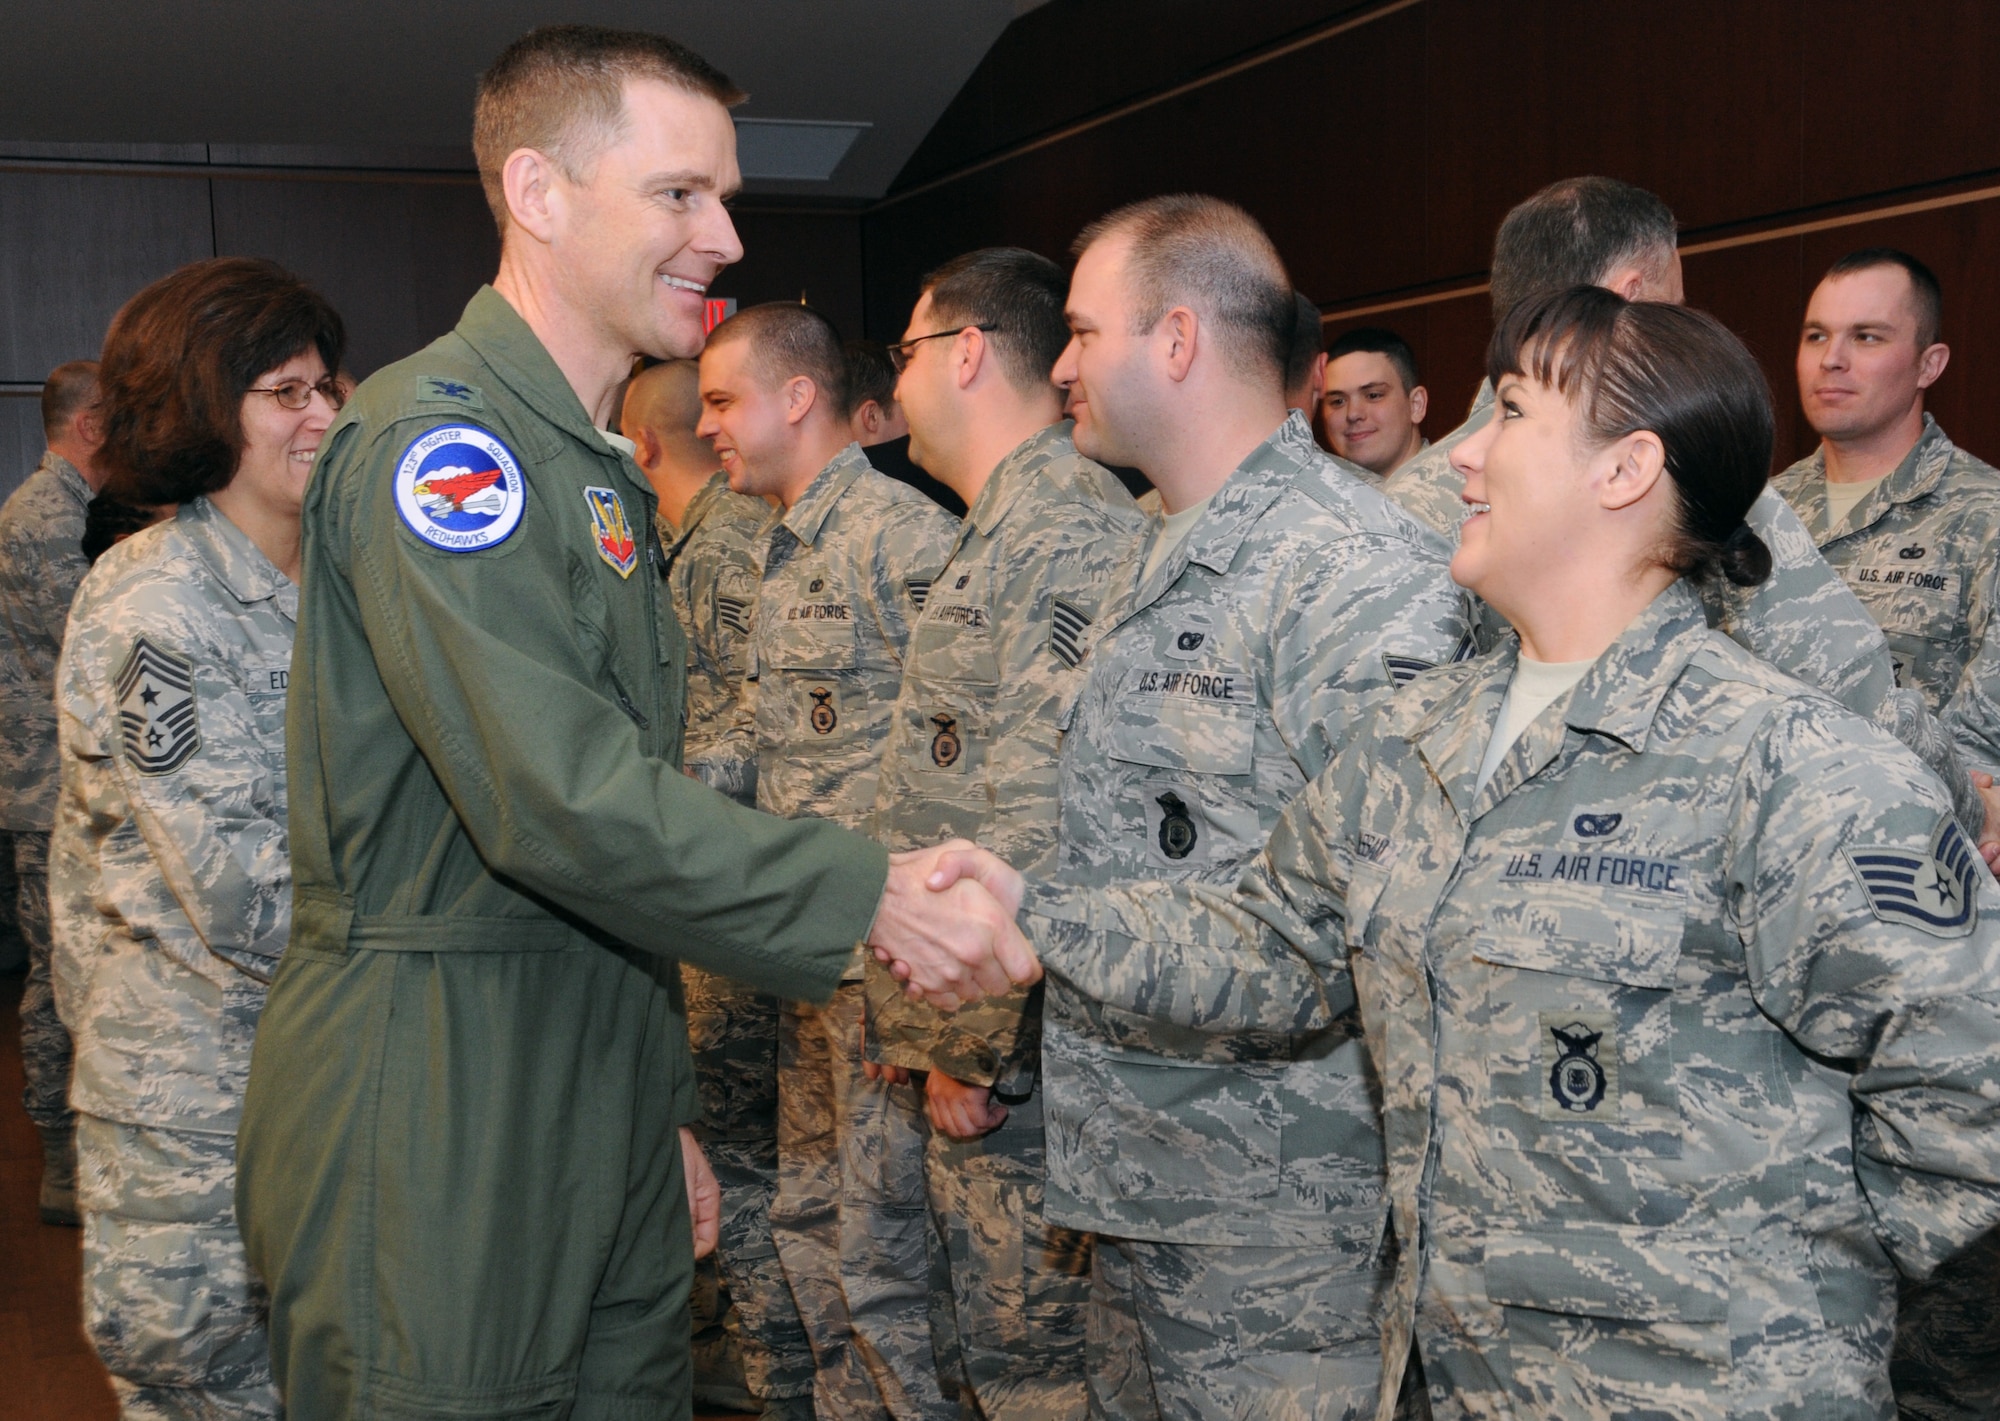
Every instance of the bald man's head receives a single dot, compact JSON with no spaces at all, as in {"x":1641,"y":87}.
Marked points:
{"x":665,"y":399}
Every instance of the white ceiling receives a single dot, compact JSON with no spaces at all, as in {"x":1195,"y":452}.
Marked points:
{"x":389,"y":82}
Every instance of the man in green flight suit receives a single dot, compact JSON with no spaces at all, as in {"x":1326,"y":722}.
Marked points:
{"x":462,"y":1162}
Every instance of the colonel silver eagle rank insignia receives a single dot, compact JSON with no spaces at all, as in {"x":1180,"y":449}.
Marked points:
{"x":156,"y":709}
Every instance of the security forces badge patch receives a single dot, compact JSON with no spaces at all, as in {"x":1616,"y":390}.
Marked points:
{"x":615,"y":543}
{"x":1580,"y":1060}
{"x":946,"y":747}
{"x":459,"y":489}
{"x":156,"y":715}
{"x":1935,"y":890}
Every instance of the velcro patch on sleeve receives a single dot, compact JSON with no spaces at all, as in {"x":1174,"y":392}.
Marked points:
{"x":156,"y":714}
{"x":1934,"y":890}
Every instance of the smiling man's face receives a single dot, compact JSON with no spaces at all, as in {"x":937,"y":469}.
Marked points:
{"x":641,"y":234}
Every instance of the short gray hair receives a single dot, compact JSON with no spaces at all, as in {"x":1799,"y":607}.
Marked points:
{"x":1576,"y":232}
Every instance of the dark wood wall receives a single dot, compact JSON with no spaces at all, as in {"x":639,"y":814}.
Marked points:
{"x":398,"y":256}
{"x":1381,"y":144}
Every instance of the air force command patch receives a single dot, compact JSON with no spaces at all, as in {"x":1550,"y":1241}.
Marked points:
{"x":460,"y":489}
{"x":1936,"y":890}
{"x":156,"y":709}
{"x":615,"y":543}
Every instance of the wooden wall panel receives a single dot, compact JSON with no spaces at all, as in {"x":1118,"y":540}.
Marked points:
{"x":398,"y":260}
{"x":73,"y":247}
{"x":1382,"y":159}
{"x":786,"y":253}
{"x":20,"y":439}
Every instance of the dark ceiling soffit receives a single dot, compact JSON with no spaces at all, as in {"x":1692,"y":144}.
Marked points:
{"x":1253,"y":60}
{"x":249,"y":171}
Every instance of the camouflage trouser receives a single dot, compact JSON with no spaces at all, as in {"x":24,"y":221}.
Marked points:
{"x":719,"y":1378}
{"x":1193,"y":1331}
{"x":819,"y":1074}
{"x":1008,"y":1290}
{"x":733,"y":1032}
{"x":1946,"y":1366}
{"x":168,"y":1298}
{"x":13,"y":947}
{"x":885,"y":1267}
{"x":45,"y":1044}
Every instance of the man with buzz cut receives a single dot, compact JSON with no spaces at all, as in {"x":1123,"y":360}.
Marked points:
{"x":1907,"y":517}
{"x":1373,"y":408}
{"x":710,"y":534}
{"x":1595,"y":231}
{"x":973,"y":753}
{"x":1278,"y":600}
{"x":845,"y":563}
{"x":464,"y":1167}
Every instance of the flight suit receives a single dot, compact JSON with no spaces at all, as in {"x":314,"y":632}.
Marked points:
{"x":41,"y":563}
{"x":1802,"y":618}
{"x":1686,"y":1024}
{"x":972,"y":753}
{"x":1239,"y":1258}
{"x":843,"y":574}
{"x":459,"y":1168}
{"x":712,"y":570}
{"x":171,"y":894}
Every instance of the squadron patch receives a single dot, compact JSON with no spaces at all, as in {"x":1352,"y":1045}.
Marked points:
{"x":615,"y":543}
{"x":156,"y":709}
{"x":460,"y":489}
{"x":1935,"y":889}
{"x":1067,"y":625}
{"x":1580,"y":1053}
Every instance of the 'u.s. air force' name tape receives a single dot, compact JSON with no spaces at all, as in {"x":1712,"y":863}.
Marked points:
{"x":459,"y":488}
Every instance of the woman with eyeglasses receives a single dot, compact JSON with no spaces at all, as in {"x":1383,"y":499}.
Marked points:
{"x":1680,"y":982}
{"x":170,"y":880}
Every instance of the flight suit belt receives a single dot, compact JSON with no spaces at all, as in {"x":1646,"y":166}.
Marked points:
{"x":326,"y":923}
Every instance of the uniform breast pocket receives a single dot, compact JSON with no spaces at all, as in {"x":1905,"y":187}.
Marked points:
{"x":813,"y":661}
{"x":1580,"y":1048}
{"x":1188,"y":767}
{"x":954,"y":644}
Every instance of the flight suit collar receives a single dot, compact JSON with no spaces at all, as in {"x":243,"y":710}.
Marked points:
{"x":516,"y":355}
{"x":1016,"y":474}
{"x":66,"y":475}
{"x":237,"y":562}
{"x":1617,"y":698}
{"x":805,"y":518}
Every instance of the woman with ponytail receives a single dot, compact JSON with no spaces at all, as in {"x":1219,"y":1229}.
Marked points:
{"x":1678,"y":979}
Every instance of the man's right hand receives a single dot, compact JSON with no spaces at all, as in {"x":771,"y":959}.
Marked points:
{"x":954,"y":944}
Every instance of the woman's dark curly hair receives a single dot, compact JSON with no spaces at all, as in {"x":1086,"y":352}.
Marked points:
{"x":176,"y":363}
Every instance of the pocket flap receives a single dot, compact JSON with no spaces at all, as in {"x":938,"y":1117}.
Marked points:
{"x":1628,"y":1274}
{"x":1637,"y":952}
{"x":1185,"y":735}
{"x":826,"y":644}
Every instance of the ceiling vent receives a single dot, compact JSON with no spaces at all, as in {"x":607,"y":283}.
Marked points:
{"x":794,"y":150}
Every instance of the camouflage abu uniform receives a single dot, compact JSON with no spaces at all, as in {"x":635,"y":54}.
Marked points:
{"x":972,"y":753}
{"x":1686,"y":1023}
{"x":1919,"y":551}
{"x":1218,"y":1167}
{"x":733,"y":1028}
{"x":41,"y":563}
{"x":844,"y":573}
{"x":1802,"y":618}
{"x":171,"y":885}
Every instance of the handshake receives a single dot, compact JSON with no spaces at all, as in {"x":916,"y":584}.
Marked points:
{"x":946,"y":926}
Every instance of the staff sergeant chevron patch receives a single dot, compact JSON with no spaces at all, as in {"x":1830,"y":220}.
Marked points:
{"x":156,"y":709}
{"x":1936,"y":891}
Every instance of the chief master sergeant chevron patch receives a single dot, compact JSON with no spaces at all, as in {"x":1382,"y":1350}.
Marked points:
{"x":156,"y":709}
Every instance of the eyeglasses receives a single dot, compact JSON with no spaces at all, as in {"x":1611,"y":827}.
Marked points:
{"x":297,"y":394}
{"x":899,"y":353}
